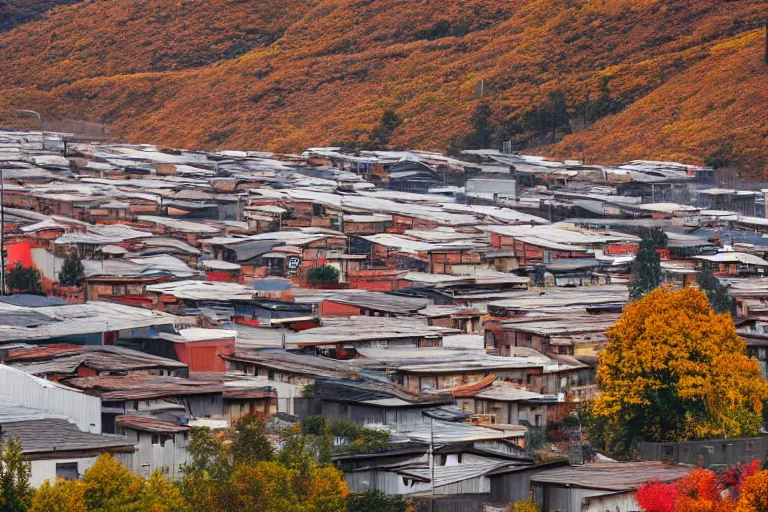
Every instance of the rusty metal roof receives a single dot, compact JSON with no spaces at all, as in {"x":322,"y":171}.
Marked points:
{"x":142,"y":386}
{"x":146,"y":424}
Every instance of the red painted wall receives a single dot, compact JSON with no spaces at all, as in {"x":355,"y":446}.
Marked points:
{"x":203,"y":356}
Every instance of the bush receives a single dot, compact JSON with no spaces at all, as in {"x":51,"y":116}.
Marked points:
{"x":23,"y":279}
{"x":376,"y":501}
{"x":324,"y":274}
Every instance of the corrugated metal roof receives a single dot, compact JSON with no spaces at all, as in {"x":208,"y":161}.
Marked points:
{"x":611,"y":476}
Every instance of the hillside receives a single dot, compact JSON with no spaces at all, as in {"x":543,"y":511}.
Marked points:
{"x":285,"y":75}
{"x":17,"y":12}
{"x":714,"y":110}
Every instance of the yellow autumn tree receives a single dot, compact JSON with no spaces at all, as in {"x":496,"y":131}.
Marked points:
{"x":273,"y":487}
{"x":674,"y":370}
{"x":64,"y":496}
{"x":110,"y":486}
{"x":753,"y":495}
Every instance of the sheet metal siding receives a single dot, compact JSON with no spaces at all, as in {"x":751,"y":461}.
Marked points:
{"x":21,"y":389}
{"x":511,"y":487}
{"x":479,"y":485}
{"x":155,"y":457}
{"x":450,"y":503}
{"x":624,"y":502}
{"x":708,"y":452}
{"x":384,"y":481}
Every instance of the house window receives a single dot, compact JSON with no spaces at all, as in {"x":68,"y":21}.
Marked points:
{"x":108,"y":425}
{"x":160,"y":439}
{"x":67,"y":470}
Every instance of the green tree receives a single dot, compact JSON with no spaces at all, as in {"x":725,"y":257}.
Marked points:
{"x":15,"y":491}
{"x":381,"y":133}
{"x":250,"y":443}
{"x":646,"y":269}
{"x":376,"y":501}
{"x":483,"y":129}
{"x":72,"y":272}
{"x":207,"y":479}
{"x":23,"y":279}
{"x":323,"y":274}
{"x":716,"y":293}
{"x":159,"y":495}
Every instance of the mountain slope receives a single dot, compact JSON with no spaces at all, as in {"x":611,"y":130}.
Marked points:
{"x":17,"y":12}
{"x":264,"y":75}
{"x":714,"y":110}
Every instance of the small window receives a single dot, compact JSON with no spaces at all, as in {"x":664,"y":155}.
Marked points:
{"x":67,"y":470}
{"x":155,"y":439}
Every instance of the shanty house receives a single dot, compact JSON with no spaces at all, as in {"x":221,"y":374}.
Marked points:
{"x":596,"y":487}
{"x":160,"y":445}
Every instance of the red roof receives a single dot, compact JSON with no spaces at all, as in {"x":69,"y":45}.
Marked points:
{"x":43,"y":352}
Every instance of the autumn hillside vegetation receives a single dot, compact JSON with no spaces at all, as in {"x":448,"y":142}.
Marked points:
{"x":608,"y":79}
{"x":17,"y":12}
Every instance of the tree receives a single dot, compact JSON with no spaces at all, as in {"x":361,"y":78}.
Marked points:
{"x":716,"y":293}
{"x":15,"y":491}
{"x":23,"y":279}
{"x":674,"y":370}
{"x":380,"y":134}
{"x":72,"y":272}
{"x":110,"y":486}
{"x":697,"y":491}
{"x":482,"y":127}
{"x":323,"y":274}
{"x":64,"y":496}
{"x":376,"y":501}
{"x":753,"y":496}
{"x":207,"y":479}
{"x":250,"y":443}
{"x":646,"y":269}
{"x":655,"y":496}
{"x":273,"y":487}
{"x":159,"y":495}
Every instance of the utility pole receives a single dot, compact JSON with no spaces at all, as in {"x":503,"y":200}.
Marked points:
{"x":432,"y":454}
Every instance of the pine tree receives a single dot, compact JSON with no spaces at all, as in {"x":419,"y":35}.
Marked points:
{"x":646,"y":269}
{"x":72,"y":272}
{"x":716,"y":293}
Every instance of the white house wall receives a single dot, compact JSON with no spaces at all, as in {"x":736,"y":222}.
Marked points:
{"x":42,"y":470}
{"x":21,"y":389}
